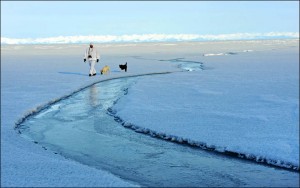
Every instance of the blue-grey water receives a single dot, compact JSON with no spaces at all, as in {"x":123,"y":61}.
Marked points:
{"x":80,"y":128}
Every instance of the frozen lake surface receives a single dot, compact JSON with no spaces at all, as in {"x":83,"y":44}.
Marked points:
{"x":81,"y":120}
{"x":82,"y":128}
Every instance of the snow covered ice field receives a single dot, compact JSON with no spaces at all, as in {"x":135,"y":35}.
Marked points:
{"x":243,"y":97}
{"x":246,"y":103}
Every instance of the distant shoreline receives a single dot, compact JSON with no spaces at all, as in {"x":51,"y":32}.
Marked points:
{"x":156,"y":42}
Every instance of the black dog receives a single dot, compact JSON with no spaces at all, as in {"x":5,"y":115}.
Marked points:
{"x":123,"y":67}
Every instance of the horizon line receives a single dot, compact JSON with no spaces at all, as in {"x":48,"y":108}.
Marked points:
{"x":149,"y":38}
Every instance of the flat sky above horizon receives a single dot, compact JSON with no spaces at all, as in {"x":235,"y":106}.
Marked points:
{"x":38,"y":19}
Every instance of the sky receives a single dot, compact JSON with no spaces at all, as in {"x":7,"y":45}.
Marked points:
{"x":51,"y":19}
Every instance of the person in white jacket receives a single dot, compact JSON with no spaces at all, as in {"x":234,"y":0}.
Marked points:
{"x":93,"y":56}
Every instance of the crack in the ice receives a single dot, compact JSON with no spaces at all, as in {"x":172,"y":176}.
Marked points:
{"x":47,"y":105}
{"x":181,"y":63}
{"x":203,"y":145}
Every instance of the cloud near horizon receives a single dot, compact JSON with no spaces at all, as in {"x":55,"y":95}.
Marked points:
{"x":147,"y":38}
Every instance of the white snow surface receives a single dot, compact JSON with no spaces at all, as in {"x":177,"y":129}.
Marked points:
{"x":148,"y":38}
{"x":246,"y":103}
{"x":224,"y":105}
{"x":32,"y":75}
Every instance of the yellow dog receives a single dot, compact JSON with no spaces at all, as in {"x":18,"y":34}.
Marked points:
{"x":105,"y":69}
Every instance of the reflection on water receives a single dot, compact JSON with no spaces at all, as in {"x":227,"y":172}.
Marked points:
{"x":93,"y":96}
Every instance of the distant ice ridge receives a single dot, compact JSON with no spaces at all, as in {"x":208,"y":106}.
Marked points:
{"x":227,"y":53}
{"x":247,"y":50}
{"x":148,"y":38}
{"x":218,"y":54}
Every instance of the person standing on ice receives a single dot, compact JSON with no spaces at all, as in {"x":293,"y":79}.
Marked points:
{"x":92,"y":55}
